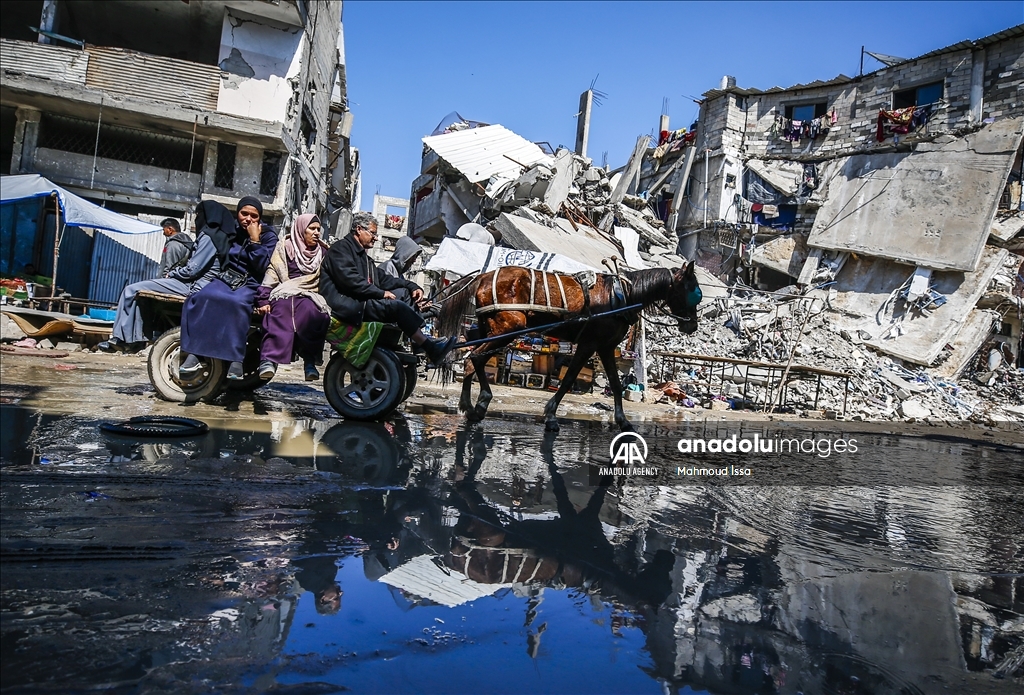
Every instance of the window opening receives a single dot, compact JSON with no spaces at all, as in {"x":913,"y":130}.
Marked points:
{"x":224,"y":174}
{"x":270,"y":174}
{"x":122,"y":144}
{"x":307,"y":128}
{"x":806,"y":112}
{"x":917,"y":96}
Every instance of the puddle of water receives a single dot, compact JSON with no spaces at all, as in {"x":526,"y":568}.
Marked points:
{"x":423,"y":555}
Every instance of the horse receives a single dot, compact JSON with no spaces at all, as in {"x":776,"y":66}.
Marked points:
{"x":513,"y":298}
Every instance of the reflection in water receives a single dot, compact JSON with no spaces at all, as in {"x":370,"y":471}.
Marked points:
{"x":379,"y":557}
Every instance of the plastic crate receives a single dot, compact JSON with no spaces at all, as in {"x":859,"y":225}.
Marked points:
{"x":102,"y":314}
{"x":536,"y":381}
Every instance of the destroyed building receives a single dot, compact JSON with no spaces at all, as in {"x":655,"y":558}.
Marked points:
{"x":862,"y":224}
{"x":146,"y":107}
{"x":893,"y":197}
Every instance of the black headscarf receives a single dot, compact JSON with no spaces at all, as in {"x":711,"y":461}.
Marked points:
{"x":216,"y":221}
{"x":249,"y":200}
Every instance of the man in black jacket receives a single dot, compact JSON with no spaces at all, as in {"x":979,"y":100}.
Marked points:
{"x":356,"y":292}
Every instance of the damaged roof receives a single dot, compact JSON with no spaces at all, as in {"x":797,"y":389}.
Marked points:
{"x":1010,"y":33}
{"x":480,"y":153}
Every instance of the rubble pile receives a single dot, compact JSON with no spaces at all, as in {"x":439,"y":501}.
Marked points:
{"x":804,"y":330}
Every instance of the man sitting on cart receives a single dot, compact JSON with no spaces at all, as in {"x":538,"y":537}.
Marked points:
{"x":356,"y":292}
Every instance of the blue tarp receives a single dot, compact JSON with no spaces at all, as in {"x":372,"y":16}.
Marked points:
{"x":75,"y":211}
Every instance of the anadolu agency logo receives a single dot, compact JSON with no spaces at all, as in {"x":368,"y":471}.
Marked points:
{"x":628,"y":452}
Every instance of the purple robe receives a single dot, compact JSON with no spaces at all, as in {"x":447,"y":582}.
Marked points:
{"x":215,"y":320}
{"x":294,"y":326}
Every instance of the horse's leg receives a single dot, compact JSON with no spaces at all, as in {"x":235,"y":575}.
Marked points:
{"x":466,"y":400}
{"x":611,"y":370}
{"x":583,"y":353}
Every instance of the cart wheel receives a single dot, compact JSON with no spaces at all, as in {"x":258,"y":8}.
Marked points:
{"x":367,"y":453}
{"x":164,"y":360}
{"x":370,"y":393}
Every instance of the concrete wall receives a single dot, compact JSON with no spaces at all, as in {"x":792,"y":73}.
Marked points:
{"x":257,"y":59}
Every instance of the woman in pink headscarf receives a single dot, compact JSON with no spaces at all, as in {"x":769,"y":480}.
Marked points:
{"x":295,"y":316}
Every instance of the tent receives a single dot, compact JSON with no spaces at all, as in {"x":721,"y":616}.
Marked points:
{"x":72,"y":210}
{"x":75,"y":211}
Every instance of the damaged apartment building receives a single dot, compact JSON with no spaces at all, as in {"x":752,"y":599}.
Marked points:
{"x":148,"y":107}
{"x":898,"y":192}
{"x":532,"y":198}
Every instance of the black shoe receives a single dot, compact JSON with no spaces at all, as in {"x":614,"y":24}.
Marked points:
{"x":132,"y":348}
{"x":436,"y":350}
{"x":236,"y":372}
{"x":190,"y":367}
{"x":111,"y":346}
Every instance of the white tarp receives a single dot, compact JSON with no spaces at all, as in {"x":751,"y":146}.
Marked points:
{"x":465,"y":257}
{"x":75,"y":211}
{"x":480,"y":153}
{"x":421,"y":577}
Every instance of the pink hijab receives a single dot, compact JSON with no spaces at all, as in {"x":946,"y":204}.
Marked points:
{"x":308,"y":260}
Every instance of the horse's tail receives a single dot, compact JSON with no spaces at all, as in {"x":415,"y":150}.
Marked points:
{"x":455,"y":303}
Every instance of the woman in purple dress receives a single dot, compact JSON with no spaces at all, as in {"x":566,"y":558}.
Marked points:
{"x":295,"y":316}
{"x":215,"y":320}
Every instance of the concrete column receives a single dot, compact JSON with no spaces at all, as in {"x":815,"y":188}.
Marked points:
{"x":662,"y":123}
{"x":48,"y":20}
{"x":977,"y":85}
{"x":583,"y":122}
{"x":26,"y":135}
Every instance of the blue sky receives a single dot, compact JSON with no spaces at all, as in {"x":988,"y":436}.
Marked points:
{"x":524,"y":64}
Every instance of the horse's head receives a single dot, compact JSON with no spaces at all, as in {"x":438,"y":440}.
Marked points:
{"x":684,"y":298}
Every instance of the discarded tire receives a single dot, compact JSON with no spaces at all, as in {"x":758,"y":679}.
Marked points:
{"x":157,"y":426}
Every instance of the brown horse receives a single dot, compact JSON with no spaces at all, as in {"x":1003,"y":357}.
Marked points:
{"x":513,"y":298}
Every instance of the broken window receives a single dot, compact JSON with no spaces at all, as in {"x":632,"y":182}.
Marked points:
{"x":917,"y":96}
{"x":270,"y":174}
{"x":121,"y":144}
{"x":307,"y":128}
{"x":806,"y":112}
{"x":224,"y":173}
{"x":8,"y":123}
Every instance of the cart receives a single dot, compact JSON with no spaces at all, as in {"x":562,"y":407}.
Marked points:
{"x":371,"y":391}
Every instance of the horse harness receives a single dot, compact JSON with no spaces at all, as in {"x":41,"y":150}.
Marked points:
{"x":534,"y":304}
{"x":587,"y":281}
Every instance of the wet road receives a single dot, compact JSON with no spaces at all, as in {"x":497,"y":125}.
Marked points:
{"x":290,"y":552}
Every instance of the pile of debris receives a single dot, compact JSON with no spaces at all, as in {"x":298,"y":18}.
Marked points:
{"x":487,"y":175}
{"x":811,"y":329}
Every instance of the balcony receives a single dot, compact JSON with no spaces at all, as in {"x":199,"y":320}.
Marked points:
{"x":140,"y":86}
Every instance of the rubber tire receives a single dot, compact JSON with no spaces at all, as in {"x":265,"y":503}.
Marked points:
{"x":376,"y":404}
{"x":163,"y":372}
{"x":150,"y":426}
{"x":365,"y":452}
{"x":410,"y":380}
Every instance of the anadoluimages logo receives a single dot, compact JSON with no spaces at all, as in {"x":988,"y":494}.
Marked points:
{"x":628,"y":449}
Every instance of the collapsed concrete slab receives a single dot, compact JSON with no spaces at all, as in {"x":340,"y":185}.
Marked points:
{"x":867,"y":300}
{"x":585,"y":245}
{"x":933,"y":207}
{"x":785,"y":254}
{"x":969,"y":339}
{"x":1005,"y":228}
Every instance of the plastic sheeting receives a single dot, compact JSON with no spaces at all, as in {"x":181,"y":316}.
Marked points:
{"x":465,"y":257}
{"x":75,"y":211}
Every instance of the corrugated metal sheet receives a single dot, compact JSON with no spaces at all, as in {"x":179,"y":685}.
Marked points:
{"x":43,"y":60}
{"x":480,"y":153}
{"x":153,"y":77}
{"x":121,"y":259}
